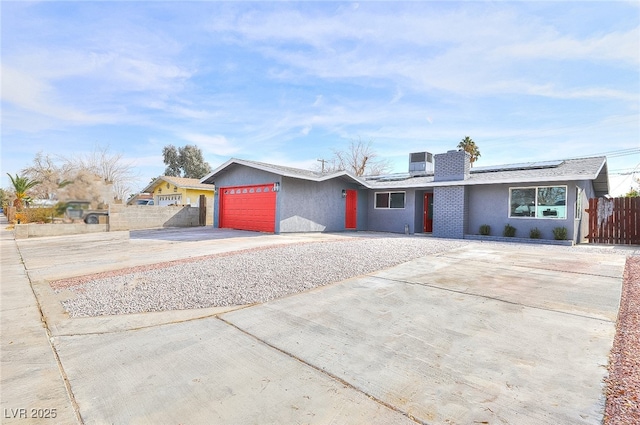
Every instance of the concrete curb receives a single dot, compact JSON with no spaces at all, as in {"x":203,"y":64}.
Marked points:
{"x":517,"y":240}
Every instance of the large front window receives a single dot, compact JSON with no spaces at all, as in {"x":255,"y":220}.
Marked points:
{"x":538,"y":202}
{"x":390,"y":200}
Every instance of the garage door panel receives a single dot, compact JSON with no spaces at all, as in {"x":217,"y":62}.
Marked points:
{"x":248,"y":207}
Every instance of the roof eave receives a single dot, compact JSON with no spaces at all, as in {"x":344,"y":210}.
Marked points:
{"x":151,"y":186}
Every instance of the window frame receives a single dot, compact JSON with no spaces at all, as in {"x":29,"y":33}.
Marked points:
{"x":536,"y":205}
{"x":389,"y":196}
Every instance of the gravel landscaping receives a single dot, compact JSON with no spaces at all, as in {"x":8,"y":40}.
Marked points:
{"x":623,"y":384}
{"x":238,"y":278}
{"x":262,"y":274}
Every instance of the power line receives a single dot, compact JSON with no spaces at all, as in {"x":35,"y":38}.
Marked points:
{"x":612,"y":154}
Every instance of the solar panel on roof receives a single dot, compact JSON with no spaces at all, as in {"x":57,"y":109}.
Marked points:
{"x":518,"y":166}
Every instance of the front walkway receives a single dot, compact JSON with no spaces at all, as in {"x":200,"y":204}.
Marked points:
{"x":33,"y":388}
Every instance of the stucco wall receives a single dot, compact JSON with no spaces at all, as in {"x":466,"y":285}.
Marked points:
{"x":489,"y":204}
{"x":581,"y":225}
{"x":392,"y":219}
{"x":307,"y":206}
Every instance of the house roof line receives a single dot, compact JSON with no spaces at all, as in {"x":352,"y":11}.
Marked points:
{"x":181,"y":182}
{"x":297,"y":173}
{"x":588,"y":168}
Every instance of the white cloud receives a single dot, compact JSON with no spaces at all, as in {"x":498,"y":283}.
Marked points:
{"x":213,"y":144}
{"x":611,"y":47}
{"x":32,"y":94}
{"x":465,"y":49}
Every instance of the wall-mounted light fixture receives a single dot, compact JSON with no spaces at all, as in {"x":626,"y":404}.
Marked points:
{"x":344,"y":193}
{"x":175,"y":188}
{"x":276,"y":187}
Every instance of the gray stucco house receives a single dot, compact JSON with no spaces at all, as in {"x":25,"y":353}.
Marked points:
{"x":440,"y":194}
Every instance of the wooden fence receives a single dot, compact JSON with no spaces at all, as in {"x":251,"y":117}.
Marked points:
{"x":614,"y":221}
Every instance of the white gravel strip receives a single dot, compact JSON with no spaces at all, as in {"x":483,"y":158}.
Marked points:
{"x":249,"y":276}
{"x":246,"y":277}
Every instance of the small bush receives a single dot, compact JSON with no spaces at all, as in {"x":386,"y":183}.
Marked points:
{"x":535,"y":233}
{"x":36,"y":215}
{"x":560,"y":233}
{"x":485,"y":229}
{"x":21,"y":218}
{"x":509,"y":231}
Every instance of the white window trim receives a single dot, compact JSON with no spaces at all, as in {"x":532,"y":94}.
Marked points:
{"x":566,"y":193}
{"x":375,"y":196}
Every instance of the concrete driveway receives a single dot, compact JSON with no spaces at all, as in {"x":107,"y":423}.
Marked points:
{"x":488,"y":333}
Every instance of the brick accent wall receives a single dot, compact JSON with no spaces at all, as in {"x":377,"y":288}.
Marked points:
{"x":450,"y":212}
{"x":453,"y":165}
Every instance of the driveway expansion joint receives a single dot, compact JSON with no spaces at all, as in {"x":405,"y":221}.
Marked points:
{"x":346,"y":384}
{"x":600,"y":319}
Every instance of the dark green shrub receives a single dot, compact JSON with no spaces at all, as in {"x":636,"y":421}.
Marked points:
{"x":509,"y":231}
{"x":560,"y":233}
{"x":485,"y":229}
{"x":535,"y":233}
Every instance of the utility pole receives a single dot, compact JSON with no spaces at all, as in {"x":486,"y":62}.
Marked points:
{"x":322,"y":161}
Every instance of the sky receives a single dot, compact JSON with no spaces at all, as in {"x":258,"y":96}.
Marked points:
{"x":290,"y":83}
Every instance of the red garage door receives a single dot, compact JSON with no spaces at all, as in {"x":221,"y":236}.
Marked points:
{"x":248,"y":207}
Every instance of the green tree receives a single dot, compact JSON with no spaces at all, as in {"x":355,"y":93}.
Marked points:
{"x":468,"y":145}
{"x":634,"y":192}
{"x":186,"y":161}
{"x":21,"y":186}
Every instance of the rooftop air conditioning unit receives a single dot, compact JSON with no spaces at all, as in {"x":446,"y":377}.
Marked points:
{"x":420,"y":164}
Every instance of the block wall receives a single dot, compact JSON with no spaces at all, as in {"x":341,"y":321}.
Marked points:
{"x":453,"y":165}
{"x":450,"y":212}
{"x":135,"y":217}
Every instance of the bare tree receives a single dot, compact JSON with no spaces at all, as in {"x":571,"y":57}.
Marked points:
{"x":110,"y":167}
{"x":50,"y":174}
{"x":359,"y":158}
{"x":99,"y":176}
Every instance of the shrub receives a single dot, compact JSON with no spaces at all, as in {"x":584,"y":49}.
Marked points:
{"x":509,"y":231}
{"x":485,"y":229}
{"x":535,"y":233}
{"x":36,"y":215}
{"x":560,"y":233}
{"x":21,"y":218}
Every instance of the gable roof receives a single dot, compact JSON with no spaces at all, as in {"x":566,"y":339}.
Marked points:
{"x":181,"y":182}
{"x":297,"y":173}
{"x":578,"y":169}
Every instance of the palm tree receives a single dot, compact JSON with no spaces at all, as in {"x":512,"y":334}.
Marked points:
{"x":20,"y":186}
{"x":468,"y":145}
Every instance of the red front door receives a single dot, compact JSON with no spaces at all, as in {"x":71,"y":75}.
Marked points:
{"x":428,"y":213}
{"x":351,"y":212}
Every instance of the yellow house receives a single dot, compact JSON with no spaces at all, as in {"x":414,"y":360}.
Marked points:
{"x":169,"y":190}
